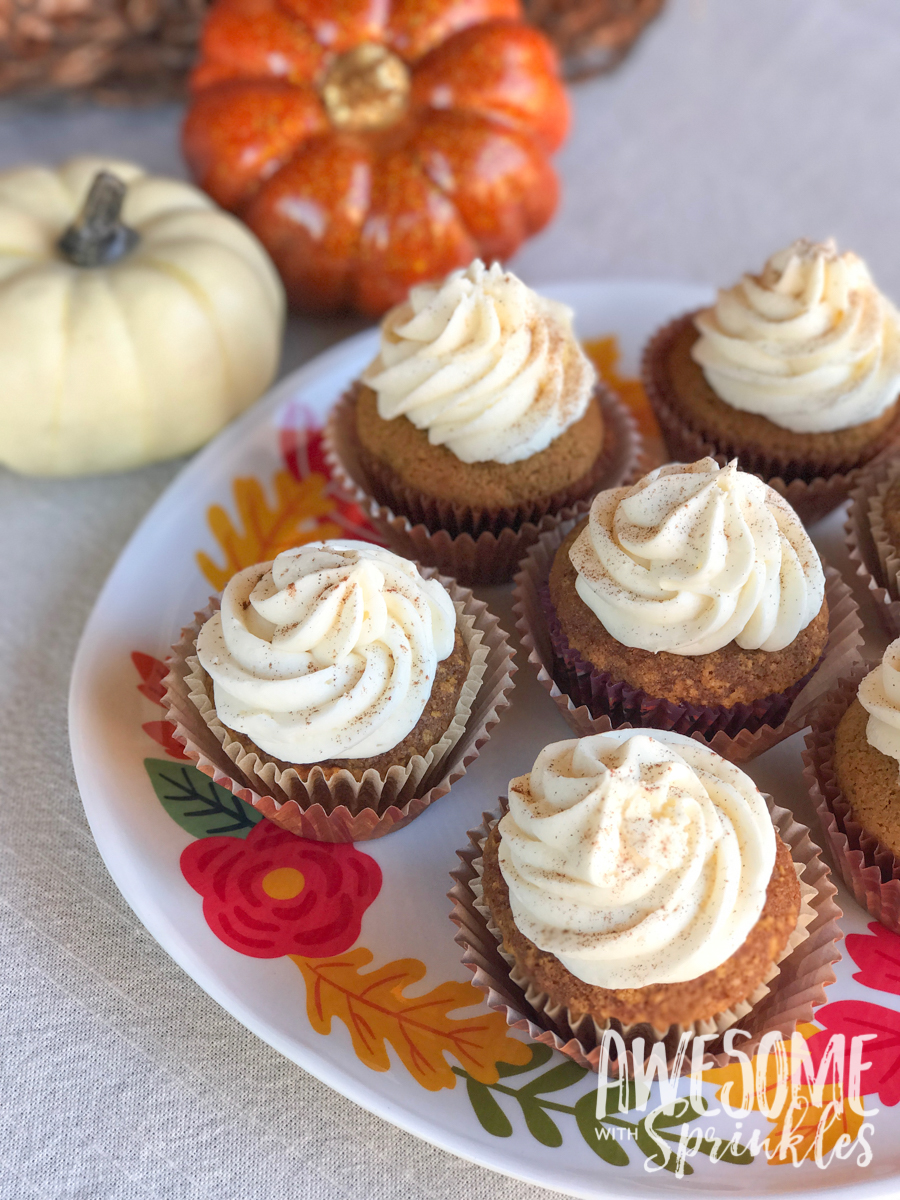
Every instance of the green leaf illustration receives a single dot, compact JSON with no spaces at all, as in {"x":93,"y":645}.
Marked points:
{"x":600,"y":1133}
{"x":655,"y":1153}
{"x":682,"y":1112}
{"x":601,"y":1138}
{"x":539,"y":1055}
{"x":197,"y":804}
{"x":492,"y":1117}
{"x":741,"y":1156}
{"x":610,"y":1103}
{"x":540,"y":1125}
{"x":555,"y":1079}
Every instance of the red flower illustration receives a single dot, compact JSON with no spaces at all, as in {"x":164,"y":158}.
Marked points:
{"x":878,"y":958}
{"x":274,"y":893}
{"x":855,"y":1017}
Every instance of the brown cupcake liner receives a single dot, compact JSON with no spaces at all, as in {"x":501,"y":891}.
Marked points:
{"x":870,"y":869}
{"x":875,"y":557}
{"x":794,"y":988}
{"x":340,"y":808}
{"x":374,"y":790}
{"x":813,"y":489}
{"x":716,"y":1024}
{"x":738,"y":734}
{"x":474,"y":546}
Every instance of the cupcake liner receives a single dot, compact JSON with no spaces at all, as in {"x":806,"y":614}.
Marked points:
{"x":798,"y":978}
{"x":876,"y":560}
{"x":812,"y":488}
{"x":604,"y":696}
{"x":739,"y":733}
{"x":341,"y":808}
{"x":718,"y":1023}
{"x":474,"y":546}
{"x":870,"y":869}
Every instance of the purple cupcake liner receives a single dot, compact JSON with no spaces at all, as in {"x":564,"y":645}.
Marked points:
{"x":597,"y":705}
{"x":869,"y":868}
{"x":604,"y":696}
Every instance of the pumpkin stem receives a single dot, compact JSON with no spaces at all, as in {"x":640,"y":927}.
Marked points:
{"x":366,"y":88}
{"x":98,"y":236}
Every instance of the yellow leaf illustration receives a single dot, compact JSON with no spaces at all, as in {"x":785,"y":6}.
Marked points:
{"x":605,"y":354}
{"x":720,"y":1076}
{"x":805,"y":1130}
{"x":799,"y":1132}
{"x":262,"y":531}
{"x":376,"y":1012}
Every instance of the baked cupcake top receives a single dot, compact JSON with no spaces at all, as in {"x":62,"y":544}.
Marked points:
{"x":636,"y":858}
{"x":487,"y":367}
{"x":810,"y":343}
{"x":328,"y":652}
{"x":879,"y":694}
{"x":694,"y":556}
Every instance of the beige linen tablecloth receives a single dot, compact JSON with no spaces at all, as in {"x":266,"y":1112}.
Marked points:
{"x":737,"y":126}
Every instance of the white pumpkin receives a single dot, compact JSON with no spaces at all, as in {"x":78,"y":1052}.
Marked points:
{"x":107,"y":367}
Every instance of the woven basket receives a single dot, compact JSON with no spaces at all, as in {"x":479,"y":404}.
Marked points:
{"x":120,"y":51}
{"x":591,"y":35}
{"x":139,"y":51}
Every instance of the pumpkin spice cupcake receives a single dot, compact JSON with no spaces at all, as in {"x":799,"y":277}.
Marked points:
{"x":853,"y":769}
{"x":693,"y":600}
{"x":889,"y":513}
{"x":795,"y":372}
{"x":640,"y":883}
{"x":867,"y":752}
{"x":479,"y":423}
{"x":336,"y":677}
{"x":872,"y":534}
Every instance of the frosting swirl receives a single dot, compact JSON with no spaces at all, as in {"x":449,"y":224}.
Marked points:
{"x":482,"y":363}
{"x":879,"y":694}
{"x":811,"y":343}
{"x":636,"y":859}
{"x":328,"y":652}
{"x":694,"y":556}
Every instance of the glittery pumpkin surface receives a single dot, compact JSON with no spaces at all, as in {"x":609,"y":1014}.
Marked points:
{"x":371,"y":145}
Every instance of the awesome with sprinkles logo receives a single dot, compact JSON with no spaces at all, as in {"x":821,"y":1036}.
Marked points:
{"x":814,"y":1097}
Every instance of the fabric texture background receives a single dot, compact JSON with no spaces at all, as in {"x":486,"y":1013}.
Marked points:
{"x":733,"y":129}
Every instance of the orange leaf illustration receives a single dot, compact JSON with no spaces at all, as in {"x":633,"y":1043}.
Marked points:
{"x":605,"y":354}
{"x":262,"y":531}
{"x":376,"y":1012}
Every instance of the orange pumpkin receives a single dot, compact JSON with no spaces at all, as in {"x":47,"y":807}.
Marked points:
{"x":373,"y":144}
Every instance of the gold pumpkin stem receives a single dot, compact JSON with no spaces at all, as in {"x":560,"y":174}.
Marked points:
{"x":366,"y":88}
{"x":98,"y":236}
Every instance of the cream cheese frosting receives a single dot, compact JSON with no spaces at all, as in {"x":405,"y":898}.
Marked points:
{"x":811,"y":343}
{"x":328,"y":652}
{"x":636,"y":858}
{"x":482,"y":363}
{"x":879,"y":694}
{"x":694,"y":556}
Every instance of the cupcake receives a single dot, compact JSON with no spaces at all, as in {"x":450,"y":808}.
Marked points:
{"x":336,"y":677}
{"x":641,"y":883}
{"x":887,"y":514}
{"x":796,"y":372}
{"x":867,"y":752}
{"x":873,"y":536}
{"x":693,"y":600}
{"x":853,"y":768}
{"x":480,"y":418}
